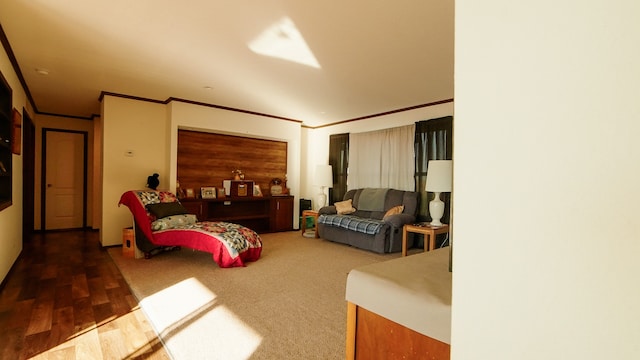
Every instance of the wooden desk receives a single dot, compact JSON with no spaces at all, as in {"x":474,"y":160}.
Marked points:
{"x":419,"y":328}
{"x":314,"y":215}
{"x":429,"y":235}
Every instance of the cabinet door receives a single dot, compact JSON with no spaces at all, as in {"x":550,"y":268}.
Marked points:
{"x":282,"y":213}
{"x":194,"y":207}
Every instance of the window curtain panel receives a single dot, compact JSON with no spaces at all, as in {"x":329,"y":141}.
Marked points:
{"x":339,"y":161}
{"x":433,"y":141}
{"x":382,"y":159}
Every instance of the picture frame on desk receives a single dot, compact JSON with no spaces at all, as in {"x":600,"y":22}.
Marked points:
{"x":221,"y":192}
{"x":208,"y":192}
{"x":257,"y":191}
{"x":190,"y":193}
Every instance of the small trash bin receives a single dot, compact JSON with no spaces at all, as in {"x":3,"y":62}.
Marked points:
{"x":128,"y":243}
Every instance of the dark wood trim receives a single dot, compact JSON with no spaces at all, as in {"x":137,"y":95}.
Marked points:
{"x":232,"y":109}
{"x":43,"y":174}
{"x":69,"y":116}
{"x":28,"y":175}
{"x":170,"y":99}
{"x":130,"y":97}
{"x":385,"y":113}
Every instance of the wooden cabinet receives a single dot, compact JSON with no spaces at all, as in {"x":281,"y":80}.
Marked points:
{"x":262,"y":214}
{"x":194,"y":207}
{"x":282,"y":213}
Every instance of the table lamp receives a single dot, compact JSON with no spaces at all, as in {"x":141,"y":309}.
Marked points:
{"x":439,"y":174}
{"x":323,"y":178}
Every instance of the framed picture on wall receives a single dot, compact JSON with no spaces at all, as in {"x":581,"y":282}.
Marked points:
{"x":208,"y":192}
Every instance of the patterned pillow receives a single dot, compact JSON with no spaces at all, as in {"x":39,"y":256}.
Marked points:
{"x":174,"y":221}
{"x":394,"y":210}
{"x":344,"y":207}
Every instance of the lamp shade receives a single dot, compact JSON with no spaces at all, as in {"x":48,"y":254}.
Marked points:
{"x":439,"y":174}
{"x":323,"y":176}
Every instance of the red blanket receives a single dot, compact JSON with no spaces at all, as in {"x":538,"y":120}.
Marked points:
{"x":230,"y":244}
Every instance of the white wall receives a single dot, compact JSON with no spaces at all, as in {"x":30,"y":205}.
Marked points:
{"x":11,"y":217}
{"x":317,"y":140}
{"x":151,"y":131}
{"x":546,"y":168}
{"x":140,"y":127}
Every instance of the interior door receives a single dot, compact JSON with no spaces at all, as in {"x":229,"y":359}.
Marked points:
{"x":64,"y":180}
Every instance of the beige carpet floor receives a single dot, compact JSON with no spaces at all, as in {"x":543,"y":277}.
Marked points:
{"x":290,"y":304}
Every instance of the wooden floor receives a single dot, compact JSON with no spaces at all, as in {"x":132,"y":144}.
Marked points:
{"x":66,"y":299}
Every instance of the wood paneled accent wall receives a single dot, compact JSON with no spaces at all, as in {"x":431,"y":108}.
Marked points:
{"x":205,"y":159}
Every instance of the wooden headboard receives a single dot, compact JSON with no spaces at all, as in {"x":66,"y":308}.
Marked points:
{"x":205,"y":159}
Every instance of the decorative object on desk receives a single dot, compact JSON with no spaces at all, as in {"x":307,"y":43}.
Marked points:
{"x":439,"y":175}
{"x":179,"y":191}
{"x":285,"y":189}
{"x":238,"y":174}
{"x":221,"y":192}
{"x":324,"y":179}
{"x":256,"y":190}
{"x":208,"y":192}
{"x":276,"y":187}
{"x":190,"y":193}
{"x":241,"y":188}
{"x":153,"y":181}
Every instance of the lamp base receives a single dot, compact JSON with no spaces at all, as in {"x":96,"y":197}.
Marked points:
{"x":321,"y":200}
{"x":436,"y":210}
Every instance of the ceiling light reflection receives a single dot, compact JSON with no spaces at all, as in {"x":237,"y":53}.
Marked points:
{"x":283,"y":40}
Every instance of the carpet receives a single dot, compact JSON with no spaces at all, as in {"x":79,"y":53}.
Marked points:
{"x":290,"y":304}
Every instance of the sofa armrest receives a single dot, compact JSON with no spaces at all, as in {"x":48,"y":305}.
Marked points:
{"x":399,"y":220}
{"x":327,"y":210}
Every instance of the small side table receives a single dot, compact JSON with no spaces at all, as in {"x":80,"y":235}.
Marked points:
{"x":314,"y":215}
{"x":429,"y":232}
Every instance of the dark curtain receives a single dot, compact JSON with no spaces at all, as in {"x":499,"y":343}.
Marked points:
{"x":339,"y":161}
{"x":434,"y":141}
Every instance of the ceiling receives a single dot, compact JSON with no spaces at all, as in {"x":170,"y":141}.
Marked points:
{"x":317,"y":61}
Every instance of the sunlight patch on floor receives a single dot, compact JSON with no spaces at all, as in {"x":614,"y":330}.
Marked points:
{"x":190,"y":305}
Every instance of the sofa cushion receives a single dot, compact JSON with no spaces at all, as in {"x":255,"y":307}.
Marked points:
{"x":393,"y":211}
{"x":367,"y":226}
{"x":372,"y":199}
{"x":344,"y":207}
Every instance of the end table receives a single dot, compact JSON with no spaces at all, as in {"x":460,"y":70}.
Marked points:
{"x":314,"y":215}
{"x":429,"y":232}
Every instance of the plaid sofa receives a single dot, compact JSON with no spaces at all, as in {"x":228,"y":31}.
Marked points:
{"x":367,"y":228}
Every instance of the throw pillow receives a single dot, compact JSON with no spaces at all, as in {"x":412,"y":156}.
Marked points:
{"x":173,"y":222}
{"x":344,"y":207}
{"x":394,"y":210}
{"x":161,"y":210}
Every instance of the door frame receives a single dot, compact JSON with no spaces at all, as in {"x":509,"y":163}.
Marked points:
{"x":28,"y":175}
{"x":43,"y":172}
